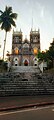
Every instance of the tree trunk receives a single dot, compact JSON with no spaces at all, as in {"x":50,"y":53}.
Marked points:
{"x":4,"y":45}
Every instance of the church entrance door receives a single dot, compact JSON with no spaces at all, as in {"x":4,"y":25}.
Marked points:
{"x":26,"y":63}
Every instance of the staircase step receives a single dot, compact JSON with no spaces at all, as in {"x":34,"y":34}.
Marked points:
{"x":22,"y":69}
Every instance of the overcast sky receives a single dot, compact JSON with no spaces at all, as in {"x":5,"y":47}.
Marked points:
{"x":41,"y":12}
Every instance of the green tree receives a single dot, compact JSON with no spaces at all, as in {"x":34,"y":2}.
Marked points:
{"x":42,"y":55}
{"x":51,"y":52}
{"x":48,"y":55}
{"x":7,"y":21}
{"x":51,"y":49}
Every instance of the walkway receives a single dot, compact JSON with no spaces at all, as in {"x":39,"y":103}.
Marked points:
{"x":17,"y":101}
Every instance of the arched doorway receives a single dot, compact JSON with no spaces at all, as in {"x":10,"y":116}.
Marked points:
{"x":15,"y":61}
{"x":26,"y":62}
{"x":35,"y":60}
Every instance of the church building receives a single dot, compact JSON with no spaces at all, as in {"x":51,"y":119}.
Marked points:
{"x":24,"y":52}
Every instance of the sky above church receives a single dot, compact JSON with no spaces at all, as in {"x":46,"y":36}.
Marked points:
{"x":35,"y":14}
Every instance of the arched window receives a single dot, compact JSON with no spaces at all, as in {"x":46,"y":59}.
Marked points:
{"x":35,"y":50}
{"x":25,"y":45}
{"x":16,"y":61}
{"x":35,"y":61}
{"x":16,"y":51}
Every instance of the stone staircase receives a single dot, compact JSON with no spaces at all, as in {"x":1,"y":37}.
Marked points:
{"x":22,"y":84}
{"x":24,"y":69}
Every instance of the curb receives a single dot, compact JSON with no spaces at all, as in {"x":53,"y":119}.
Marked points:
{"x":27,"y":106}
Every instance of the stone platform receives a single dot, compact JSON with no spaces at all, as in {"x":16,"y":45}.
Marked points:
{"x":23,"y":69}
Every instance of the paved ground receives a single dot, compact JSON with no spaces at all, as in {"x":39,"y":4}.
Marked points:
{"x":43,"y":113}
{"x":13,"y":101}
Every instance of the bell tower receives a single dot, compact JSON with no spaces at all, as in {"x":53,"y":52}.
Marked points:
{"x":35,"y":39}
{"x":16,"y":47}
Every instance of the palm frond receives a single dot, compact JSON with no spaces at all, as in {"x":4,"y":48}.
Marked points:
{"x":13,"y":15}
{"x":8,"y":10}
{"x":12,"y":22}
{"x":6,"y":26}
{"x":1,"y":12}
{"x":2,"y":26}
{"x":0,"y":20}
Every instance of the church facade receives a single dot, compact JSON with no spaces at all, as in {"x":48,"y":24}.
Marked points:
{"x":24,"y":52}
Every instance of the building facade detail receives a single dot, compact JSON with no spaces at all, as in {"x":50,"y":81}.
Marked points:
{"x":24,"y":52}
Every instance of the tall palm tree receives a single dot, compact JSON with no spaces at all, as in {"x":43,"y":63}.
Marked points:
{"x":7,"y":21}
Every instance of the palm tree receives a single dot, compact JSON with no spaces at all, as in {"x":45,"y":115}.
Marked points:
{"x":7,"y":21}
